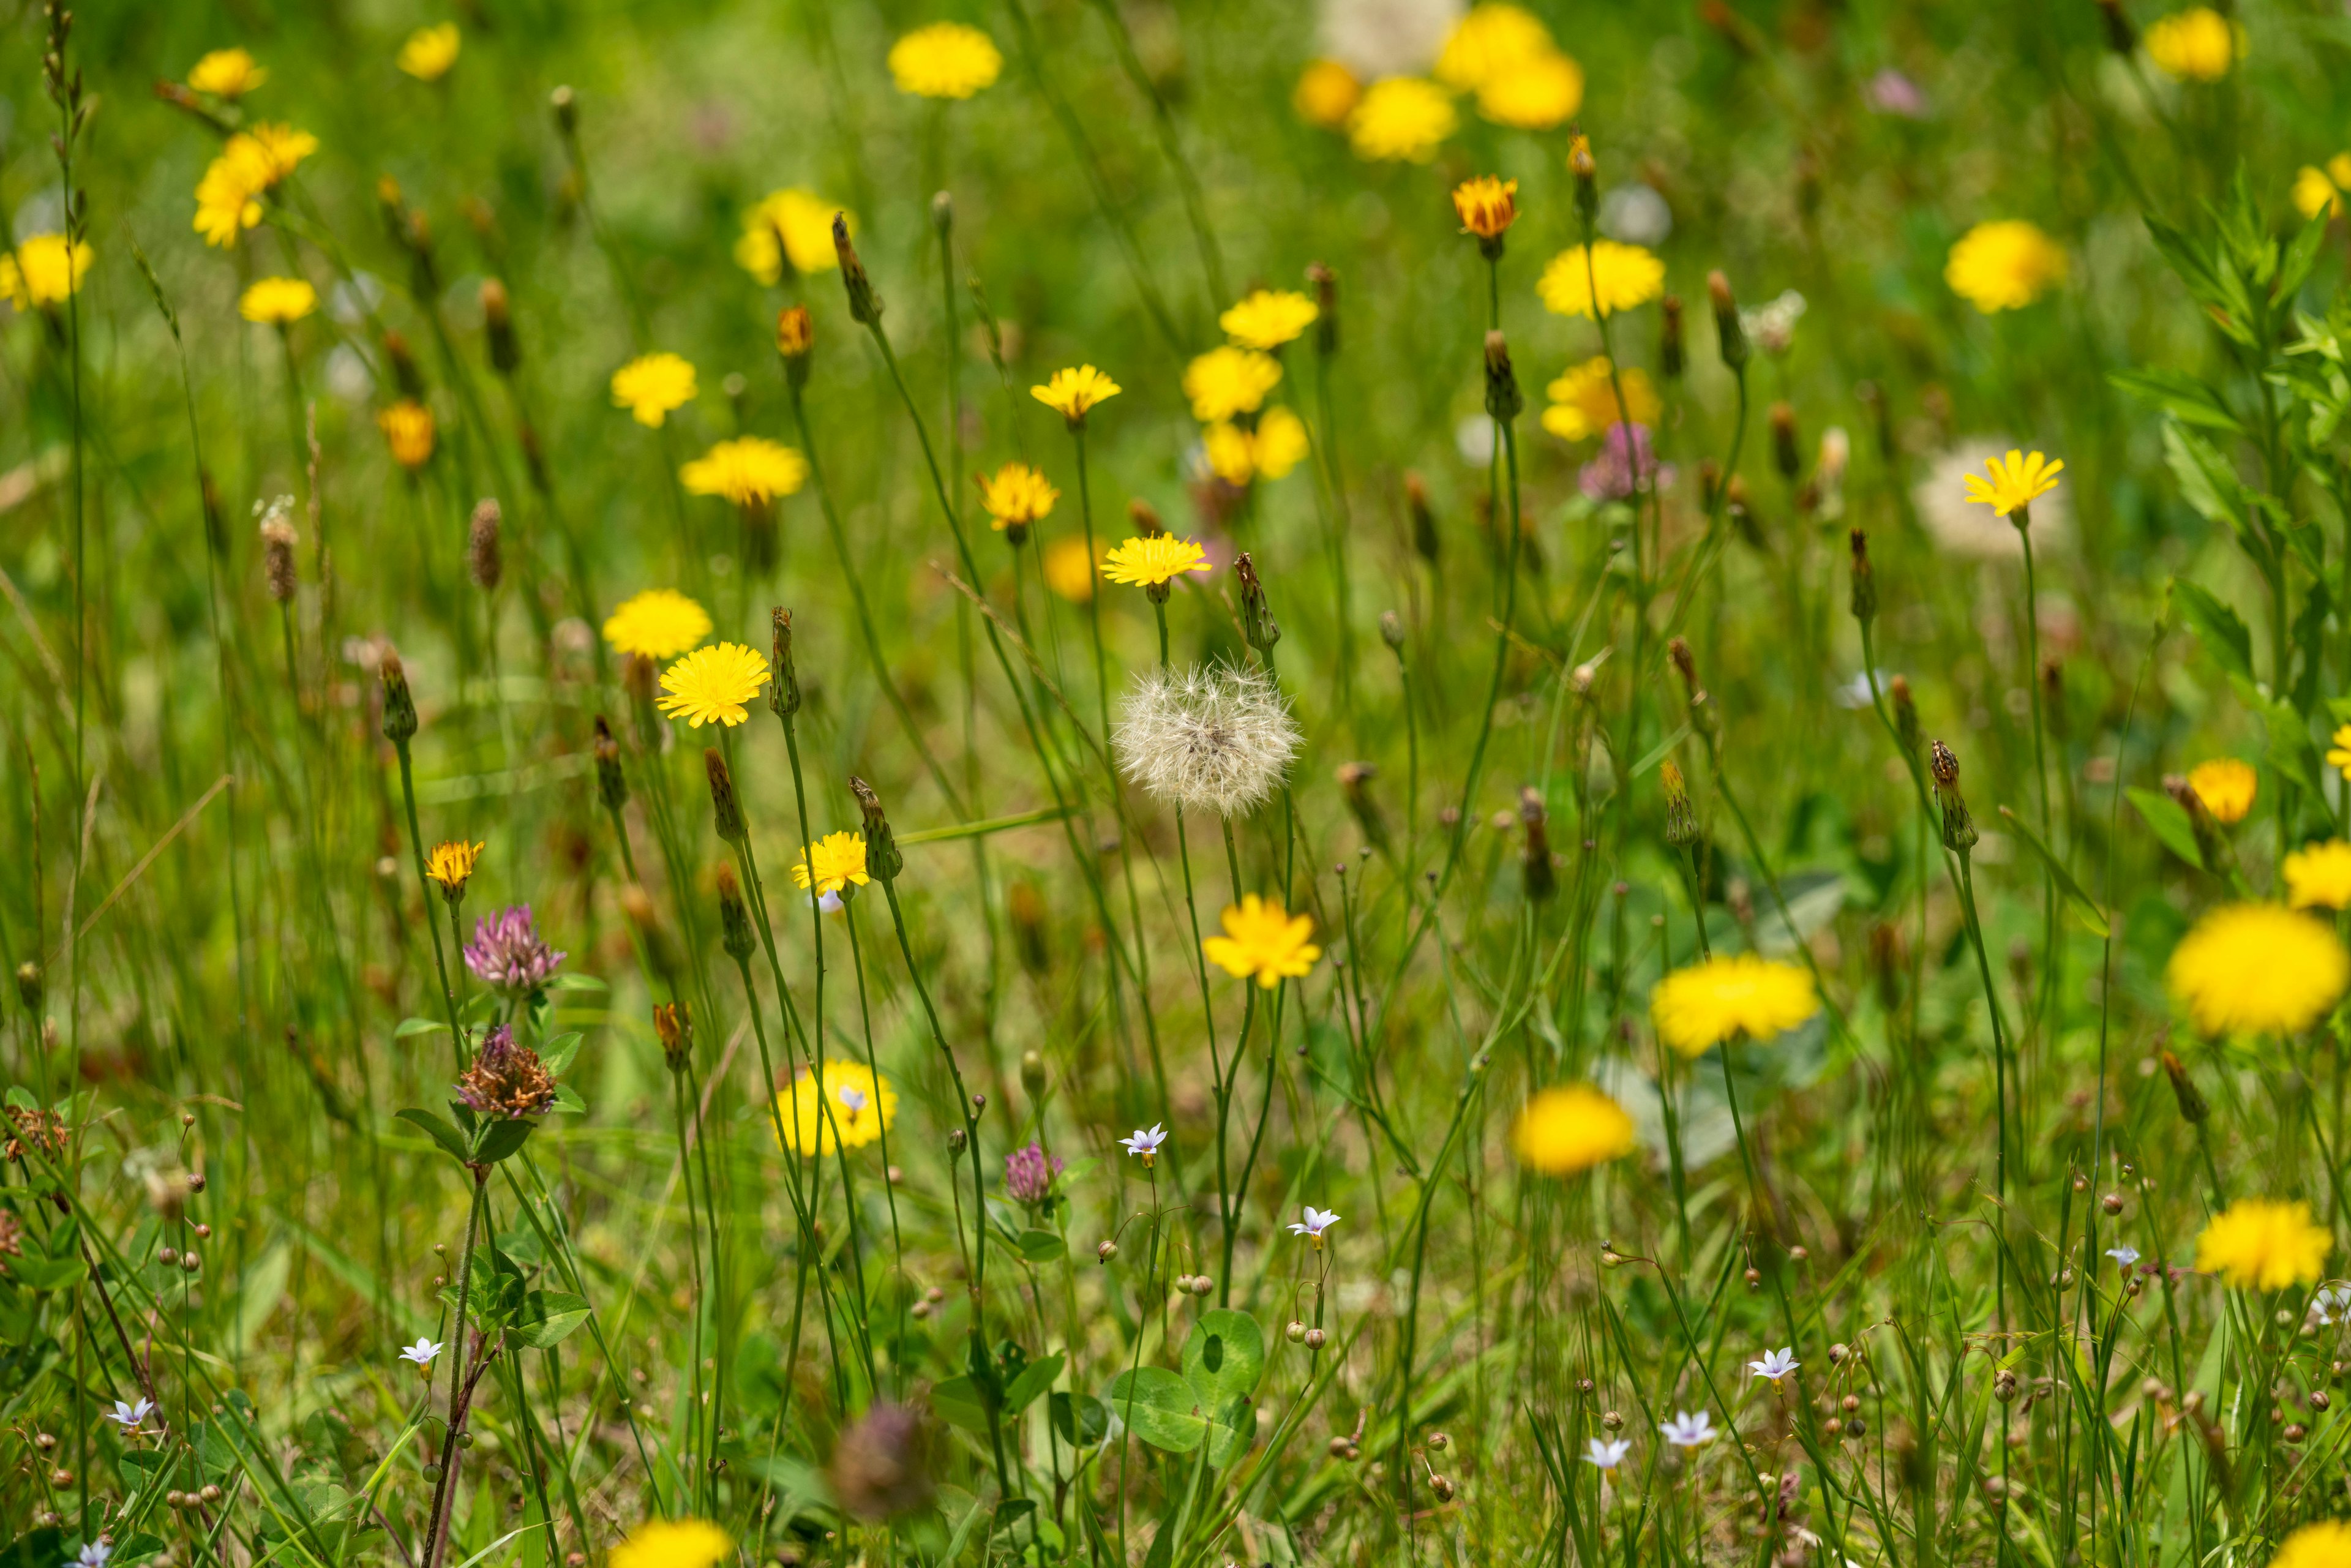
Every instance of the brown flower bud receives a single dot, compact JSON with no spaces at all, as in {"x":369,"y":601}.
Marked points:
{"x":399,"y":707}
{"x":611,"y":784}
{"x":1258,"y":627}
{"x":1424,"y":517}
{"x":1503,"y":401}
{"x":482,"y":560}
{"x":1326,"y":303}
{"x":795,"y":340}
{"x":725,"y":810}
{"x":1670,"y":358}
{"x":2192,"y":1106}
{"x":1731,"y":335}
{"x":1864,"y":581}
{"x":1959,"y":828}
{"x":733,"y":916}
{"x":1681,"y":822}
{"x":784,"y":687}
{"x":277,"y":541}
{"x":1541,"y":879}
{"x":882,"y":859}
{"x":864,"y":304}
{"x":1354,"y":784}
{"x":404,"y":373}
{"x":1906,"y":715}
{"x":497,"y":325}
{"x":1145,"y":518}
{"x":1785,"y":457}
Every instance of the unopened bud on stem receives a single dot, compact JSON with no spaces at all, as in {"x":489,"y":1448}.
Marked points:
{"x":726,"y":813}
{"x":864,"y":304}
{"x":1959,"y":828}
{"x":1733,"y":335}
{"x":882,"y":860}
{"x":1258,"y":624}
{"x":733,"y":916}
{"x":784,"y":690}
{"x":399,"y":707}
{"x":611,"y":784}
{"x":1502,"y":399}
{"x":1864,"y":580}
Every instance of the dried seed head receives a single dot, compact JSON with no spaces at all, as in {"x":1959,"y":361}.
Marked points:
{"x":507,"y":1081}
{"x":611,"y":784}
{"x":726,"y":813}
{"x":1206,"y":737}
{"x":1945,"y":766}
{"x":482,"y":560}
{"x":733,"y":916}
{"x":277,"y":541}
{"x":1503,"y":401}
{"x":399,"y":707}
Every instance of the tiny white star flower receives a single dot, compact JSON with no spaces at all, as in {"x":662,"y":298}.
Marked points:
{"x":2126,"y":1256}
{"x":1688,"y":1431}
{"x":1606,"y":1453}
{"x":1776,"y":1364}
{"x":1146,"y":1143}
{"x":128,"y":1416}
{"x":421,"y":1353}
{"x":1318,"y":1220}
{"x":94,"y":1555}
{"x":2328,"y":1304}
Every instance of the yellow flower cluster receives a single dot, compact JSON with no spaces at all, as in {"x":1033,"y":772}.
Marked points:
{"x":1728,"y":999}
{"x":1016,"y":495}
{"x":228,"y":197}
{"x":1263,"y":942}
{"x":791,"y":225}
{"x":1240,"y":456}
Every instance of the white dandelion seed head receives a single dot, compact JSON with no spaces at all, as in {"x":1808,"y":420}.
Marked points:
{"x":1210,"y":737}
{"x":1965,"y":527}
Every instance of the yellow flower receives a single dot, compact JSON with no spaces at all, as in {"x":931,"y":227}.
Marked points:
{"x":1569,"y":1129}
{"x":1074,"y":390}
{"x":946,"y":59}
{"x":1227,"y":381}
{"x":227,"y":73}
{"x":804,"y":219}
{"x":451,"y":864}
{"x":1728,"y":999}
{"x":224,"y":203}
{"x":1401,"y":120}
{"x":1147,"y":563}
{"x":651,"y":385}
{"x":2197,"y":44}
{"x":2319,"y":877}
{"x":674,"y":1544}
{"x":2016,"y":480}
{"x":1489,"y":41}
{"x":267,"y":153}
{"x":1537,"y":93}
{"x":2257,"y":969}
{"x":1070,"y":572}
{"x":2319,"y":190}
{"x":2326,"y":1545}
{"x":1487,"y":205}
{"x":1275,"y":447}
{"x":1327,"y":92}
{"x":277,"y":300}
{"x":1268,"y":317}
{"x":39,"y":272}
{"x":2005,"y":265}
{"x":1583,"y":401}
{"x":750,"y":471}
{"x":1264,"y":941}
{"x":2226,"y":786}
{"x":2338,"y":755}
{"x":834,"y":860}
{"x":850,"y":1111}
{"x":1626,"y":276}
{"x":659,"y":624}
{"x":429,"y":52}
{"x":2262,"y":1244}
{"x":407,"y":427}
{"x":711,"y":686}
{"x":1016,"y":495}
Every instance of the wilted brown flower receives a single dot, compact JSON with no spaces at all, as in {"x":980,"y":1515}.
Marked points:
{"x":507,"y":1081}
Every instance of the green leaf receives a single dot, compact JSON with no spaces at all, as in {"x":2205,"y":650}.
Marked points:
{"x":34,"y":1273}
{"x":262,"y":1287}
{"x":1158,"y":1406}
{"x":2221,"y":628}
{"x":439,"y":1130}
{"x":2168,"y":821}
{"x":1034,"y":1379}
{"x":556,"y":1054}
{"x":1081,"y":1418}
{"x":567,"y":1101}
{"x":2207,"y":482}
{"x":1042,"y":1247}
{"x":2301,"y":255}
{"x":2181,"y":396}
{"x":2084,"y":904}
{"x":42,"y":1548}
{"x":502,"y":1139}
{"x":957,"y":1400}
{"x":417,"y":1026}
{"x":550,"y":1317}
{"x":577,"y":983}
{"x":1224,"y":1357}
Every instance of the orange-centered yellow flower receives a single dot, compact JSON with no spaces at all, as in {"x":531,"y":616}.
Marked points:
{"x":408,"y":429}
{"x":1074,"y":390}
{"x":1487,"y":205}
{"x":1570,"y":1128}
{"x":1263,"y":941}
{"x":451,"y":864}
{"x":2226,"y":786}
{"x":804,"y":220}
{"x":43,"y":273}
{"x":2195,"y":44}
{"x":712,"y":686}
{"x":2262,"y":1244}
{"x":1268,"y":317}
{"x":277,"y":300}
{"x":2005,"y":265}
{"x":946,"y":59}
{"x":1147,"y":563}
{"x":2258,"y":969}
{"x":430,"y":51}
{"x":750,"y":471}
{"x":651,"y":385}
{"x":674,"y":1544}
{"x":1621,"y":276}
{"x":2015,"y":480}
{"x":1015,"y":496}
{"x":1227,"y":380}
{"x":659,"y":624}
{"x":834,"y":861}
{"x":1728,"y":999}
{"x":227,"y":73}
{"x":2319,"y":876}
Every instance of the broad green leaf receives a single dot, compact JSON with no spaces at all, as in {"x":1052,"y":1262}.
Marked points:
{"x":549,"y":1317}
{"x":1081,"y":1418}
{"x":439,"y":1130}
{"x":1224,"y":1357}
{"x":567,"y":1101}
{"x":2168,"y":821}
{"x":2207,"y":482}
{"x":501,"y":1139}
{"x":1034,"y":1379}
{"x":42,"y":1548}
{"x":577,"y":983}
{"x":34,"y":1273}
{"x":556,"y":1054}
{"x":957,"y":1400}
{"x":2223,"y":628}
{"x":2084,"y":904}
{"x":261,"y":1289}
{"x":2180,"y":395}
{"x":418,"y":1026}
{"x":1158,"y":1406}
{"x":1042,"y":1247}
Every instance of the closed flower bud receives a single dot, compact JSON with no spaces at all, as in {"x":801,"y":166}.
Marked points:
{"x":1502,"y":399}
{"x":795,"y":340}
{"x":673,"y":1026}
{"x":784,"y":687}
{"x":404,"y":373}
{"x":882,"y":860}
{"x":566,"y":105}
{"x":1785,"y":457}
{"x":1025,"y":907}
{"x":29,"y":988}
{"x":483,"y":561}
{"x":1424,"y":516}
{"x":1258,"y":624}
{"x":277,"y":541}
{"x":497,"y":325}
{"x":1354,"y":783}
{"x":726,"y":813}
{"x":1033,"y":1074}
{"x":1541,"y":879}
{"x":1959,"y":828}
{"x":2192,"y":1108}
{"x":1671,"y":361}
{"x":1681,"y":822}
{"x":864,"y":304}
{"x":1392,"y":629}
{"x":734,"y":917}
{"x":1733,"y":335}
{"x":399,"y":707}
{"x":1906,"y":715}
{"x":2210,"y":845}
{"x":611,"y":784}
{"x":2120,"y":38}
{"x":1864,"y":581}
{"x":942,"y":211}
{"x":1586,"y":170}
{"x":1326,"y":306}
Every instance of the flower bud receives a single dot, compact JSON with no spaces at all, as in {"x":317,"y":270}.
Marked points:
{"x":1392,"y":629}
{"x":733,"y":916}
{"x":1681,"y":822}
{"x":673,"y":1026}
{"x":1106,"y":1251}
{"x":726,"y":811}
{"x":1326,"y":306}
{"x":943,"y":213}
{"x":2192,"y":1107}
{"x":1295,"y":1332}
{"x":1785,"y":457}
{"x":399,"y":707}
{"x":611,"y":784}
{"x":864,"y":304}
{"x":1314,"y":1340}
{"x":497,"y":325}
{"x":1502,"y":399}
{"x":1258,"y":627}
{"x":2120,"y":38}
{"x":29,"y":989}
{"x":1733,"y":337}
{"x":1671,"y":360}
{"x":1424,"y":516}
{"x":1033,"y":1074}
{"x":1864,"y":580}
{"x":1906,"y":715}
{"x":882,"y":860}
{"x":404,"y":373}
{"x":1959,"y":828}
{"x":784,"y":679}
{"x":795,"y":340}
{"x":482,"y":560}
{"x":1354,"y":784}
{"x":566,"y":105}
{"x":1145,"y":518}
{"x":1586,"y":170}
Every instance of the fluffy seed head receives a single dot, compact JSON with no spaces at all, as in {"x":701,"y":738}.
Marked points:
{"x":1207,"y":738}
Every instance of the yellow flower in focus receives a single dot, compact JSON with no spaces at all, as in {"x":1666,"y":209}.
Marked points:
{"x":2319,"y":877}
{"x":451,"y":864}
{"x":712,"y":686}
{"x":849,"y":1112}
{"x":1016,"y":495}
{"x":1487,"y":206}
{"x":1227,"y":381}
{"x":227,"y":73}
{"x":1271,"y":450}
{"x":1073,"y":390}
{"x":2257,"y":969}
{"x":1492,"y":40}
{"x":1537,"y":94}
{"x":2338,"y":755}
{"x":277,"y":300}
{"x":659,"y":624}
{"x":1569,"y":1129}
{"x":804,"y":219}
{"x":408,"y":430}
{"x":2016,"y":481}
{"x":429,"y":52}
{"x":2325,"y":1544}
{"x":1263,"y":941}
{"x":2262,"y":1244}
{"x":2005,"y":265}
{"x":1070,"y":570}
{"x":832,"y":862}
{"x":651,"y":385}
{"x":1147,"y":563}
{"x":750,"y":471}
{"x":946,"y":59}
{"x":1327,"y":92}
{"x":1268,"y":317}
{"x":1401,"y":120}
{"x":1623,"y":275}
{"x":2226,"y":786}
{"x":1584,"y":401}
{"x":2197,"y":44}
{"x":1728,"y":999}
{"x":43,"y":273}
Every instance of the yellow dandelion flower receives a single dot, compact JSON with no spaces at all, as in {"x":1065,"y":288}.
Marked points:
{"x":1227,"y":380}
{"x":1623,"y":275}
{"x":674,"y":1544}
{"x":1070,"y":570}
{"x":1277,"y":445}
{"x":430,"y":51}
{"x":2316,"y":191}
{"x":1537,"y":93}
{"x":750,"y":471}
{"x":227,"y":73}
{"x":651,"y":385}
{"x":1490,"y":41}
{"x":946,"y":59}
{"x":1262,"y":941}
{"x":2257,"y":969}
{"x":2016,"y":480}
{"x":267,"y":153}
{"x":659,"y":624}
{"x":1268,"y":317}
{"x":1147,"y":563}
{"x":2319,"y":876}
{"x":1326,"y":93}
{"x":2195,"y":44}
{"x":1569,"y":1129}
{"x":1728,"y":999}
{"x":849,"y":1112}
{"x":1073,"y":390}
{"x":1584,"y":401}
{"x":712,"y":686}
{"x":2226,"y":786}
{"x":2263,"y":1244}
{"x":226,"y":203}
{"x":277,"y":300}
{"x":1401,"y":120}
{"x":43,"y":273}
{"x":2338,"y":755}
{"x":834,"y":861}
{"x":1015,"y":496}
{"x":2005,"y":265}
{"x":1487,"y":205}
{"x":408,"y":430}
{"x":804,"y":219}
{"x":2325,"y":1544}
{"x":451,"y":864}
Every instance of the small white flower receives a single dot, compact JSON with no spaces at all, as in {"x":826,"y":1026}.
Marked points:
{"x":830,"y":903}
{"x":853,"y":1099}
{"x":1146,"y":1143}
{"x":1855,"y":694}
{"x":1688,"y":1431}
{"x":1776,"y":1364}
{"x":1606,"y":1453}
{"x":128,"y":1416}
{"x":1318,"y":1220}
{"x":2126,"y":1256}
{"x":421,"y":1353}
{"x":94,"y":1555}
{"x":2329,"y":1304}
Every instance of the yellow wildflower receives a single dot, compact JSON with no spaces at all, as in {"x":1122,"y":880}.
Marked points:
{"x":2319,"y":876}
{"x":267,"y":153}
{"x":2195,"y":44}
{"x":659,"y":624}
{"x":1276,"y":446}
{"x":849,"y":1112}
{"x":674,"y":1544}
{"x":2338,"y":755}
{"x":2324,"y":1544}
{"x":1539,"y":93}
{"x":1623,"y":275}
{"x":2016,"y":481}
{"x":946,"y":59}
{"x":1487,"y":205}
{"x":1327,"y":92}
{"x":2226,"y":786}
{"x":1570,"y":1128}
{"x":1584,"y":401}
{"x":408,"y":430}
{"x":804,"y":219}
{"x":1147,"y":563}
{"x":277,"y":300}
{"x":2263,"y":1244}
{"x":225,"y":206}
{"x":1268,"y":317}
{"x":1016,"y":495}
{"x":1263,"y":941}
{"x":430,"y":51}
{"x":1401,"y":120}
{"x":2257,"y":969}
{"x":1072,"y":390}
{"x":451,"y":864}
{"x":1728,"y":999}
{"x":832,"y":862}
{"x":2005,"y":265}
{"x":227,"y":73}
{"x":1227,"y":380}
{"x":712,"y":686}
{"x":1070,"y":570}
{"x":1489,"y":41}
{"x":2319,"y":190}
{"x":750,"y":471}
{"x":42,"y":272}
{"x":651,"y":385}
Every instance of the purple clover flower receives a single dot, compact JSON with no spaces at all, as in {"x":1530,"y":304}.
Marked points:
{"x":1610,"y":476}
{"x":1028,"y":1173}
{"x":507,"y":953}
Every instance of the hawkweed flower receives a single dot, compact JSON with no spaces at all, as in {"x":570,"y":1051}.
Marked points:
{"x":43,"y":272}
{"x":1267,"y":319}
{"x":1206,"y":737}
{"x":1146,"y":1142}
{"x":651,"y":385}
{"x":1240,"y":457}
{"x":1326,"y":93}
{"x":1154,"y":562}
{"x":1618,"y":276}
{"x":1688,"y":1431}
{"x":834,"y":862}
{"x":1776,"y":1364}
{"x":1263,"y":942}
{"x":1490,"y":41}
{"x":1583,"y":400}
{"x":2195,"y":44}
{"x":2326,"y":1544}
{"x":880,"y":1466}
{"x":1401,"y":120}
{"x":1738,"y":997}
{"x":2014,"y":481}
{"x":2318,"y":190}
{"x":277,"y":301}
{"x":507,"y":1081}
{"x":1072,"y":390}
{"x":2257,"y":969}
{"x":408,"y":429}
{"x":713,"y":685}
{"x":227,"y":73}
{"x":750,"y":471}
{"x":507,"y":954}
{"x":1540,"y":93}
{"x":1227,"y":382}
{"x":2005,"y":265}
{"x":1316,"y":1222}
{"x":422,"y":1354}
{"x":129,"y":1417}
{"x":451,"y":866}
{"x":2264,"y":1244}
{"x":2226,"y":786}
{"x":946,"y":59}
{"x":2318,"y":876}
{"x":674,"y":1544}
{"x":430,"y":52}
{"x":790,"y":226}
{"x":1487,"y":206}
{"x":1016,"y":496}
{"x":849,"y":1110}
{"x":659,"y":624}
{"x":1605,"y":1454}
{"x":1028,"y":1174}
{"x":673,"y":1021}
